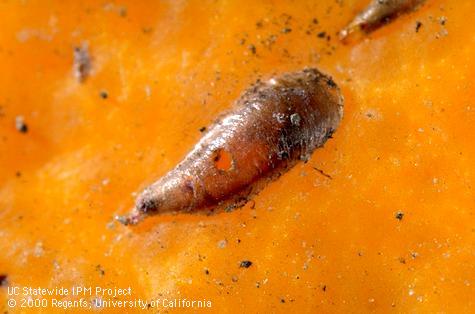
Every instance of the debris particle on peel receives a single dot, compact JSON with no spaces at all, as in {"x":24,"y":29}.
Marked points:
{"x":418,"y":26}
{"x":82,"y":62}
{"x":3,"y":280}
{"x":245,"y":264}
{"x":399,"y":215}
{"x":20,"y":124}
{"x":104,"y":94}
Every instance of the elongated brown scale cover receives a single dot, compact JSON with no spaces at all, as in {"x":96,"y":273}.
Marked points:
{"x":377,"y":13}
{"x":272,"y":126}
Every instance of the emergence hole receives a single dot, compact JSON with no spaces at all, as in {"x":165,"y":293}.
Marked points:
{"x":223,"y":160}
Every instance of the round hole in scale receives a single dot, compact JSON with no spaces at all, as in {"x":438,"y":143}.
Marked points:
{"x":223,"y":160}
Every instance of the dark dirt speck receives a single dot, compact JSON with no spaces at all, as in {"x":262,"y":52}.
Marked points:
{"x":286,"y":30}
{"x":245,"y":264}
{"x":3,"y":280}
{"x":104,"y":94}
{"x":399,"y":215}
{"x":418,"y":26}
{"x":100,"y":270}
{"x":20,"y":124}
